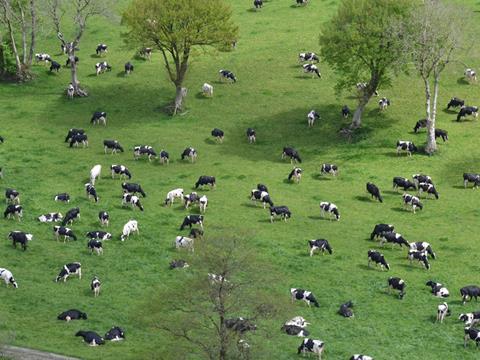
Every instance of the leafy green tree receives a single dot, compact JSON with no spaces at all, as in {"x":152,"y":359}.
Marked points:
{"x":175,"y":27}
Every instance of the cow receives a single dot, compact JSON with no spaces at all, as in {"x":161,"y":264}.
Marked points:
{"x":429,"y":189}
{"x":79,"y":139}
{"x":470,"y":74}
{"x":421,"y":178}
{"x":91,"y":192}
{"x":282,"y":211}
{"x":471,"y":177}
{"x":190,"y":220}
{"x":69,"y":61}
{"x":203,"y":203}
{"x":12,"y":196}
{"x":67,"y":233}
{"x":72,"y":314}
{"x":305,"y":295}
{"x":362,"y":87}
{"x":331,"y":169}
{"x":128,"y":68}
{"x":91,"y":337}
{"x":99,"y":117}
{"x":383,"y":103}
{"x":263,"y":196}
{"x":310,"y":345}
{"x":380,"y":229}
{"x":407,"y":146}
{"x":292,"y":154}
{"x":146,"y":52}
{"x":217,"y":279}
{"x":308,"y":56}
{"x":469,"y":292}
{"x":297,"y":321}
{"x":301,"y":2}
{"x":441,"y":133}
{"x":101,"y":49}
{"x":55,"y":66}
{"x":8,"y":278}
{"x":420,"y":256}
{"x":438,"y":289}
{"x":294,"y":330}
{"x":251,"y":136}
{"x":72,"y":132}
{"x":403,"y":183}
{"x":184,"y":242}
{"x":62,"y":197}
{"x":311,"y":69}
{"x":470,"y":319}
{"x":377,"y":258}
{"x":102,"y":67}
{"x":471,"y":334}
{"x":13,"y":210}
{"x":189,"y":153}
{"x":95,"y":286}
{"x":393,"y":238}
{"x":227,"y":75}
{"x":396,"y":283}
{"x":196,"y":233}
{"x":262,"y":187}
{"x":113,"y":145}
{"x":42,"y":57}
{"x":345,"y":310}
{"x":130,"y":227}
{"x":413,"y":201}
{"x":421,"y":124}
{"x":332,"y":209}
{"x":240,"y":325}
{"x":423,"y":246}
{"x":71,"y":215}
{"x":374,"y":191}
{"x":95,"y":173}
{"x":320,"y":245}
{"x":133,"y":188}
{"x":190,"y":199}
{"x":98,"y":235}
{"x":172,"y":195}
{"x":74,"y":268}
{"x":70,"y":91}
{"x":206,"y":180}
{"x":311,"y":117}
{"x":50,"y":217}
{"x":120,"y":170}
{"x":295,"y":174}
{"x":218,"y":135}
{"x":95,"y":245}
{"x":104,"y":218}
{"x":207,"y":90}
{"x":345,"y":111}
{"x":258,"y":4}
{"x":115,"y":334}
{"x":467,"y":111}
{"x":133,"y":200}
{"x":164,"y":157}
{"x":455,"y":102}
{"x":144,"y":150}
{"x":360,"y":357}
{"x":178,"y":264}
{"x":19,"y":237}
{"x":442,"y":312}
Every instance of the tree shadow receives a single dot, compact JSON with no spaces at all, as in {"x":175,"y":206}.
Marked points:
{"x":462,"y":81}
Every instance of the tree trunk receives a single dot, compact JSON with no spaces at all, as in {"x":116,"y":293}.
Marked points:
{"x":73,"y":66}
{"x":431,"y":143}
{"x":33,"y":40}
{"x":357,"y":115}
{"x":24,"y":33}
{"x":15,"y":52}
{"x":181,"y":93}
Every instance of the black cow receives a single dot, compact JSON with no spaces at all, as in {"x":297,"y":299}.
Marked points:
{"x":69,"y":269}
{"x":190,"y":220}
{"x":72,"y":314}
{"x":378,"y":259}
{"x":120,"y":170}
{"x":282,"y":211}
{"x":251,"y":135}
{"x":294,"y":330}
{"x":380,"y":229}
{"x":115,"y":334}
{"x":321,"y":245}
{"x":258,"y":4}
{"x":228,"y":75}
{"x":189,"y":153}
{"x":144,"y":150}
{"x":206,"y":180}
{"x":345,"y":309}
{"x":466,"y":111}
{"x":470,"y":177}
{"x":178,"y":264}
{"x":406,"y":146}
{"x":19,"y":237}
{"x":455,"y":102}
{"x":128,"y":68}
{"x":113,"y":145}
{"x":420,"y":256}
{"x":218,"y":134}
{"x":79,"y":139}
{"x":62,"y":197}
{"x":374,"y":191}
{"x":55,"y":66}
{"x":240,"y":325}
{"x":403,"y":183}
{"x":164,"y":157}
{"x":262,"y":187}
{"x":305,"y":295}
{"x":72,"y":214}
{"x":73,"y":132}
{"x":13,"y":210}
{"x":67,"y":233}
{"x":346,"y":111}
{"x":421,"y":124}
{"x":292,"y":154}
{"x":91,"y":337}
{"x":470,"y":292}
{"x":133,"y":188}
{"x":104,"y":217}
{"x":396,"y":283}
{"x":441,"y":133}
{"x":393,"y":238}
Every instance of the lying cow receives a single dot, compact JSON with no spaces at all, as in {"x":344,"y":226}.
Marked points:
{"x":91,"y":337}
{"x":184,"y":243}
{"x":72,"y":314}
{"x":50,"y":217}
{"x":438,"y":289}
{"x":62,"y":197}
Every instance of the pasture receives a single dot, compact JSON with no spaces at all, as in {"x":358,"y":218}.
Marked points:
{"x":273,"y":96}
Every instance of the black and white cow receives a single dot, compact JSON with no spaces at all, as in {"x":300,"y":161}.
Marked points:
{"x":396,"y":283}
{"x":345,"y":111}
{"x":178,"y":194}
{"x":78,"y":139}
{"x":320,"y":245}
{"x":421,"y":124}
{"x":71,"y":215}
{"x":196,"y":233}
{"x":113,"y":145}
{"x":189,"y":153}
{"x":133,"y":200}
{"x":438,"y":289}
{"x":281,"y":211}
{"x":128,"y":68}
{"x":305,"y":295}
{"x":441,"y":133}
{"x":74,"y":268}
{"x":72,"y":314}
{"x":102,"y":67}
{"x":301,"y":2}
{"x":258,"y":4}
{"x":95,"y":286}
{"x":380,"y":229}
{"x":413,"y":201}
{"x":178,"y":264}
{"x":68,"y":62}
{"x":218,"y":134}
{"x":67,"y":233}
{"x":470,"y":292}
{"x":377,"y":258}
{"x":146,"y":52}
{"x":101,"y":49}
{"x":251,"y":135}
{"x":99,"y":117}
{"x":104,"y":217}
{"x":470,"y":74}
{"x":470,"y":177}
{"x":407,"y":146}
{"x":470,"y":319}
{"x":362,"y":87}
{"x":308,"y":56}
{"x":73,"y":132}
{"x":262,"y":196}
{"x":164,"y":157}
{"x":403,"y":183}
{"x":95,"y":245}
{"x":471,"y":334}
{"x":310,"y":345}
{"x":183,"y":242}
{"x":423,"y":246}
{"x":62,"y":197}
{"x":312,"y":116}
{"x":292,"y":154}
{"x":120,"y":170}
{"x":12,"y":196}
{"x":144,"y":150}
{"x":99,"y":235}
{"x":393,"y":238}
{"x":190,"y":220}
{"x":420,"y":256}
{"x":467,"y":111}
{"x":7,"y":277}
{"x":311,"y":69}
{"x":332,"y":209}
{"x":442,"y":311}
{"x":240,"y":325}
{"x":421,"y":178}
{"x":206,"y":180}
{"x":50,"y":217}
{"x":429,"y":189}
{"x":227,"y":75}
{"x":294,"y":330}
{"x":42,"y":57}
{"x":20,"y":237}
{"x":455,"y":102}
{"x":295,"y":174}
{"x":91,"y":337}
{"x":297,"y":321}
{"x":383,"y":103}
{"x":374,"y":191}
{"x":91,"y":192}
{"x":13,"y":210}
{"x":115,"y":334}
{"x":361,"y":357}
{"x":331,"y":169}
{"x":133,"y":188}
{"x":55,"y":66}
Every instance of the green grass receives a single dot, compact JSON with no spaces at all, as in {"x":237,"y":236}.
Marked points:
{"x":274,"y":97}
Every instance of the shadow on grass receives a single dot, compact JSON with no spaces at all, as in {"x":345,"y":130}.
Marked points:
{"x":210,"y":141}
{"x":462,"y":81}
{"x":317,"y":217}
{"x":321,"y":177}
{"x":363,"y":198}
{"x":199,"y":95}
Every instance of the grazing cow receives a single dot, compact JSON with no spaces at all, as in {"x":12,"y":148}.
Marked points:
{"x":67,"y":233}
{"x":133,"y":200}
{"x":99,"y":235}
{"x":305,"y":295}
{"x":129,"y":228}
{"x":95,"y":286}
{"x":79,"y":139}
{"x":178,"y":264}
{"x":99,"y":117}
{"x":251,"y":135}
{"x":420,"y":178}
{"x":396,"y":283}
{"x":442,"y":312}
{"x":406,"y":146}
{"x":438,"y":289}
{"x":308,"y":56}
{"x":196,"y":233}
{"x":164,"y":157}
{"x":91,"y":192}
{"x":301,"y":2}
{"x":145,"y":150}
{"x":413,"y":201}
{"x":311,"y":69}
{"x":104,"y":217}
{"x":42,"y":57}
{"x":420,"y":256}
{"x":383,"y":103}
{"x":320,"y":245}
{"x":12,"y":196}
{"x":374,"y":191}
{"x":470,"y":74}
{"x":72,"y":314}
{"x":393,"y":238}
{"x":21,"y":238}
{"x":68,"y":62}
{"x":113,"y":145}
{"x":120,"y":170}
{"x":95,"y":173}
{"x":72,"y":133}
{"x":55,"y":66}
{"x":455,"y":102}
{"x":296,"y":174}
{"x":102,"y":67}
{"x":310,"y":345}
{"x":115,"y":334}
{"x":128,"y":68}
{"x":262,"y":187}
{"x":189,"y":153}
{"x":133,"y":188}
{"x":13,"y":210}
{"x":190,"y":220}
{"x":190,"y":199}
{"x":69,"y":269}
{"x":345,"y":111}
{"x":292,"y":154}
{"x":203,"y":203}
{"x":71,"y":215}
{"x":258,"y":4}
{"x":470,"y":319}
{"x":240,"y":325}
{"x":362,"y":86}
{"x":206,"y":180}
{"x":95,"y":245}
{"x":329,"y":208}
{"x":345,"y":310}
{"x":378,"y":259}
{"x":470,"y":292}
{"x":471,"y":334}
{"x":467,"y":111}
{"x":403,"y":183}
{"x":282,"y":211}
{"x":470,"y":177}
{"x":441,"y":133}
{"x":91,"y":337}
{"x":423,"y":246}
{"x":207,"y":90}
{"x":184,"y":242}
{"x":146,"y":52}
{"x":331,"y":169}
{"x":360,"y":357}
{"x":62,"y":197}
{"x":380,"y":229}
{"x":311,"y":117}
{"x":263,"y":196}
{"x":218,"y":135}
{"x":172,"y":195}
{"x":421,"y":124}
{"x":50,"y":217}
{"x":428,"y":188}
{"x":294,"y":330}
{"x":8,"y":278}
{"x":101,"y":49}
{"x":227,"y":75}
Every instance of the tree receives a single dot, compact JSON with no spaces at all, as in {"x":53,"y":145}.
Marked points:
{"x":358,"y":44}
{"x":432,"y":34}
{"x":175,"y":27}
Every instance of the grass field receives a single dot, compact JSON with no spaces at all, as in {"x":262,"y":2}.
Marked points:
{"x":272,"y":96}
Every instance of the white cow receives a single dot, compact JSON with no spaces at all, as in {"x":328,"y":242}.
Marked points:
{"x":128,"y":228}
{"x":7,"y":276}
{"x":470,"y":75}
{"x":95,"y":173}
{"x":176,"y":193}
{"x":207,"y":90}
{"x":203,"y":203}
{"x":184,"y":242}
{"x":70,"y":91}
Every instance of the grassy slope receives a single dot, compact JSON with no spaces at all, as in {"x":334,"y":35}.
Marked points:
{"x":273,"y":97}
